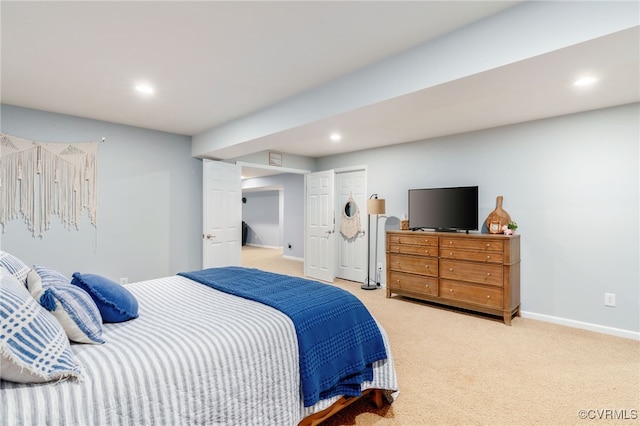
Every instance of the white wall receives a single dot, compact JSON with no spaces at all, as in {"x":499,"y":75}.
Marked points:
{"x":571,"y":183}
{"x":149,"y":201}
{"x":527,"y":30}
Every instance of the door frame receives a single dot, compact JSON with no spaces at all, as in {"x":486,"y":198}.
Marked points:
{"x":273,"y":171}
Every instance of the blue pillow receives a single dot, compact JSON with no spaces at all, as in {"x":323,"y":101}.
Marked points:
{"x":116,"y":303}
{"x":33,"y":346}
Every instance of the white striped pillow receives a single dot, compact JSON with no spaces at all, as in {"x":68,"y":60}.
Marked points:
{"x":73,"y":307}
{"x":15,"y":266}
{"x":51,"y":276}
{"x":33,"y":346}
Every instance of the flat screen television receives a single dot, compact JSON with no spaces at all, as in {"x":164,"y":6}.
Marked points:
{"x":444,"y":209}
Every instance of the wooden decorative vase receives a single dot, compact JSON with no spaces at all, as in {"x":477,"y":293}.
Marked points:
{"x":497,"y":218}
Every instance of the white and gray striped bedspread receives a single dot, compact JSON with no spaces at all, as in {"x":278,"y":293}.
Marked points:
{"x":195,"y":356}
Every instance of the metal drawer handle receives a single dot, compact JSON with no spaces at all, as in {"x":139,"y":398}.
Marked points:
{"x":450,"y":269}
{"x":488,"y":245}
{"x":488,"y":274}
{"x":450,"y":253}
{"x":426,"y":266}
{"x":451,"y":290}
{"x":488,"y":296}
{"x":450,"y":242}
{"x":426,"y":285}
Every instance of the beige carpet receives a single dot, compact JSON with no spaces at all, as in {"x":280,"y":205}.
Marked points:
{"x":456,"y":368}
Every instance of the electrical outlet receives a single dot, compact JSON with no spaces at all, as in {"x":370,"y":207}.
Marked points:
{"x":379,"y":266}
{"x":610,"y":299}
{"x":124,"y":280}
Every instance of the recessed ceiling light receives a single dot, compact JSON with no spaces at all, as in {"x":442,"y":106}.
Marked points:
{"x":585,"y":81}
{"x":335,"y":137}
{"x":145,"y":88}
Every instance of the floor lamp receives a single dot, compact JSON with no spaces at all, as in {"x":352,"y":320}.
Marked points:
{"x":375,"y":206}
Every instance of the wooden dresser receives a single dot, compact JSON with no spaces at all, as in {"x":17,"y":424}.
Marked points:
{"x":478,"y":272}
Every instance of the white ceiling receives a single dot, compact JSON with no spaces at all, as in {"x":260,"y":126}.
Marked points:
{"x":213,"y":62}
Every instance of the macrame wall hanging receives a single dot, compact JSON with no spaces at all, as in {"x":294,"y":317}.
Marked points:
{"x":41,"y":179}
{"x":350,"y":223}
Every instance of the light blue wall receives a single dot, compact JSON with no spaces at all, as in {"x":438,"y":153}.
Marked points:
{"x":261,"y":212}
{"x":571,"y":183}
{"x":149,"y":201}
{"x":293,"y":231}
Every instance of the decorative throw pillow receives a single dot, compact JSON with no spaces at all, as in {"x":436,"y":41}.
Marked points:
{"x":34,"y":347}
{"x":73,"y":307}
{"x":116,"y":303}
{"x":51,"y":276}
{"x":15,"y":266}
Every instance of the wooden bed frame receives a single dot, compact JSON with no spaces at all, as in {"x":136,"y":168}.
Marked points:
{"x":342,"y":403}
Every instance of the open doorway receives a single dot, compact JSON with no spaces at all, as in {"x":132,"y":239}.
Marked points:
{"x":274,"y":211}
{"x":271,"y":260}
{"x":262,"y":218}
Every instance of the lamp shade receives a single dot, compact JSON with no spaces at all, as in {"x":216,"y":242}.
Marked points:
{"x":375,"y":206}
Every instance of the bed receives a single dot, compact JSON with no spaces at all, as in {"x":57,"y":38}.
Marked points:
{"x":195,"y":355}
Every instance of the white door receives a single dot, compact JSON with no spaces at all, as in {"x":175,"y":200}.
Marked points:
{"x":352,"y":249}
{"x":319,"y":251}
{"x":222,"y":216}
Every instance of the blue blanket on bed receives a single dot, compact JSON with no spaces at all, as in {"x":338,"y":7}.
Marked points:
{"x":338,"y":339}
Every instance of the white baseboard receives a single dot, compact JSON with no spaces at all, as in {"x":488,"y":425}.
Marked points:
{"x":627,"y":334}
{"x":264,"y":246}
{"x":299,"y":259}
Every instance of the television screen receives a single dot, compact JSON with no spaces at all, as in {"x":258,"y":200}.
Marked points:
{"x":444,"y":209}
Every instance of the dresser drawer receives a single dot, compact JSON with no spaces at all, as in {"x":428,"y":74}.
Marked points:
{"x":413,"y":264}
{"x":472,"y":244}
{"x":476,"y":256}
{"x":413,"y":283}
{"x":418,"y":250}
{"x":469,"y":293}
{"x":414,"y":239}
{"x":474,"y":272}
